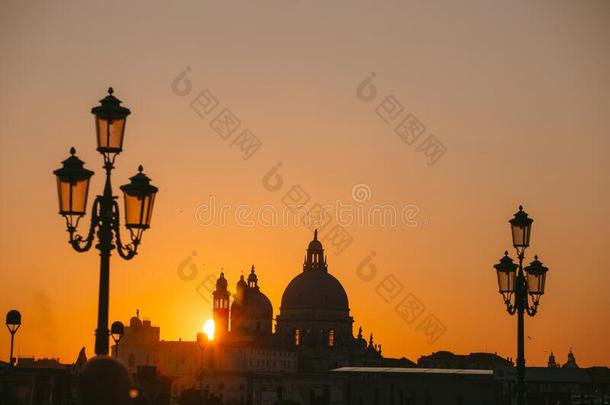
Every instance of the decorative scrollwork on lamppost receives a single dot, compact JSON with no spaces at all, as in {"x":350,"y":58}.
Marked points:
{"x":139,"y":196}
{"x":517,"y":285}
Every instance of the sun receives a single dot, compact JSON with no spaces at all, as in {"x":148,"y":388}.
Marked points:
{"x":208,"y":329}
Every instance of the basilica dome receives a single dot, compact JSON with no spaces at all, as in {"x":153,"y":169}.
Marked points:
{"x":315,"y":288}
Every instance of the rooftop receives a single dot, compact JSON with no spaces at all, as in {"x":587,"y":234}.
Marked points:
{"x":412,"y":370}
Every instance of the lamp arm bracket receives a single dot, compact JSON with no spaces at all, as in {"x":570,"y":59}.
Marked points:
{"x":126,"y":251}
{"x":510,"y":308}
{"x":79,"y":243}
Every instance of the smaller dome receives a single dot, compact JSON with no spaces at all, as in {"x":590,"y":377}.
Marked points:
{"x":252,"y":305}
{"x":241,"y":283}
{"x":249,"y":301}
{"x":135,"y":322}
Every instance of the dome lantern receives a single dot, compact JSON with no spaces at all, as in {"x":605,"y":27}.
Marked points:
{"x":315,"y":288}
{"x":252,"y":279}
{"x":315,"y":259}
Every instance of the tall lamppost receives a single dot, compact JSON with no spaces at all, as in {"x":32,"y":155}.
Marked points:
{"x":13,"y":322}
{"x":139,"y":195}
{"x":515,"y":285}
{"x":117,"y":330}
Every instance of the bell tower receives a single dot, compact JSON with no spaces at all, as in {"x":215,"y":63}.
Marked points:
{"x":221,"y":308}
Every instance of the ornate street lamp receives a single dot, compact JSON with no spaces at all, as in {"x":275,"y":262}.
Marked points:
{"x":13,"y":322}
{"x":72,"y":188}
{"x":506,"y":276}
{"x":73,"y":185}
{"x":110,"y":120}
{"x":513,"y":282}
{"x":117,"y":331}
{"x":521,"y":227}
{"x":139,"y":196}
{"x":536,"y":278}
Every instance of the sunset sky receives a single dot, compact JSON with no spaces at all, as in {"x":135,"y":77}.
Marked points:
{"x":518,"y":94}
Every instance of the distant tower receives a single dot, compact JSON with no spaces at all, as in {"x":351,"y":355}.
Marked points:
{"x":571,"y":363}
{"x":221,"y":308}
{"x":552,"y":363}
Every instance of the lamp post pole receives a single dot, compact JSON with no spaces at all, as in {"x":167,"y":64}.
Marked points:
{"x":520,"y":296}
{"x":515,"y":284}
{"x":105,"y":246}
{"x":139,"y":194}
{"x":12,"y":359}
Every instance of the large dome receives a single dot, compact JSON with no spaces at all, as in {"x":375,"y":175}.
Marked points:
{"x":315,"y":289}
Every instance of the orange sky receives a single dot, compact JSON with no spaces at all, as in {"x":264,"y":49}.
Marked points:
{"x":518,"y":93}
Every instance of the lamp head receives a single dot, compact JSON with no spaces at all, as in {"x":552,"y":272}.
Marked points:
{"x":13,"y":320}
{"x":521,"y":227}
{"x":110,"y":118}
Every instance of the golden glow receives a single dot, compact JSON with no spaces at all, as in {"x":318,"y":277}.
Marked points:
{"x":486,"y":111}
{"x":208,"y":329}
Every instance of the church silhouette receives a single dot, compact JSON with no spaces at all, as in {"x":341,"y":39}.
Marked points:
{"x":313,"y":331}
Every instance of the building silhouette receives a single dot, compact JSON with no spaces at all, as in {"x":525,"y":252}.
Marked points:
{"x":310,"y":354}
{"x":313,"y":333}
{"x":472,"y":361}
{"x":571,"y":363}
{"x":552,"y":363}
